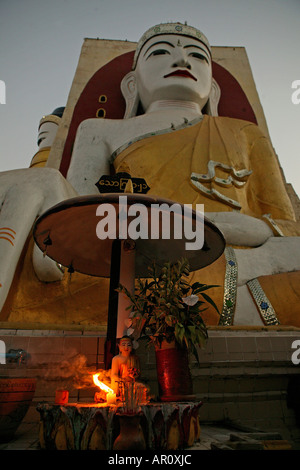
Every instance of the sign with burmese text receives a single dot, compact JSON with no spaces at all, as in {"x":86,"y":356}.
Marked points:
{"x":117,"y":184}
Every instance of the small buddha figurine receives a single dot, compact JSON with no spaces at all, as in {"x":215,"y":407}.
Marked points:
{"x":126,"y":365}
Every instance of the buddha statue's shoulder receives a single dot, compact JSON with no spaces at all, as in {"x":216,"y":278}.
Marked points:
{"x":235,"y":123}
{"x":240,"y":128}
{"x":100,"y":125}
{"x":115,"y":132}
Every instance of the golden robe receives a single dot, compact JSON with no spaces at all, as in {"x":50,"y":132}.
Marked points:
{"x":168,"y":159}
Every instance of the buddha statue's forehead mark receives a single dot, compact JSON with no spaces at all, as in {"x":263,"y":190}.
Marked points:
{"x":170,"y":28}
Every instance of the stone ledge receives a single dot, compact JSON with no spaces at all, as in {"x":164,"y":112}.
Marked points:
{"x":52,"y":332}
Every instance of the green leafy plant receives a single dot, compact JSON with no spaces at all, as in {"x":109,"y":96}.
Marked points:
{"x":166,"y":307}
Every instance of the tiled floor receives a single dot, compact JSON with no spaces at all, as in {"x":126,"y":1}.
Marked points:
{"x":26,"y":438}
{"x":211,"y":434}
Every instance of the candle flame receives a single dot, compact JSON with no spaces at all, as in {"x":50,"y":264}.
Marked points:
{"x":101,"y":385}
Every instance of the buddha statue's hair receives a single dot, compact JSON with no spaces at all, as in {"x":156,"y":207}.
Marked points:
{"x":170,"y":28}
{"x":125,"y":337}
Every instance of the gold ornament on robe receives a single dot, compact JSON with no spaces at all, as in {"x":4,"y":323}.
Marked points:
{"x":236,"y":178}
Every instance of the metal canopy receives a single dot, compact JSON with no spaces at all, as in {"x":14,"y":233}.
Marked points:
{"x":67,"y":232}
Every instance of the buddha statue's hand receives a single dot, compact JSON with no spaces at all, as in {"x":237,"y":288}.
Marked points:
{"x":241,"y":229}
{"x":24,"y":195}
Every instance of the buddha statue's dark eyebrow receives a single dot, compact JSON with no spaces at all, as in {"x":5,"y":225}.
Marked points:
{"x":159,"y":42}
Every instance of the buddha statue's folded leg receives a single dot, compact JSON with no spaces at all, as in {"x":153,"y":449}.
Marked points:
{"x":18,"y":212}
{"x":268,"y":283}
{"x":24,"y":195}
{"x":56,"y":190}
{"x":277,"y":255}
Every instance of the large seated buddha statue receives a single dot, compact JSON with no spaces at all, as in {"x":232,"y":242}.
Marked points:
{"x":171,"y":135}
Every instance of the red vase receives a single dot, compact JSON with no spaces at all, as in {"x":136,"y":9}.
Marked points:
{"x":173,"y":374}
{"x":131,"y":435}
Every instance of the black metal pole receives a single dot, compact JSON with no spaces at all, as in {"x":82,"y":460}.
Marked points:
{"x":112,"y":320}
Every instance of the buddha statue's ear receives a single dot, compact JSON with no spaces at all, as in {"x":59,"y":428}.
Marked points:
{"x":211,"y":107}
{"x":130,"y":93}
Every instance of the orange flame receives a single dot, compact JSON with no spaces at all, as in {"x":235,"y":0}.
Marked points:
{"x":101,"y":385}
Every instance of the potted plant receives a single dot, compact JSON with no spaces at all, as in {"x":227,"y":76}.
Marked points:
{"x":166,"y":309}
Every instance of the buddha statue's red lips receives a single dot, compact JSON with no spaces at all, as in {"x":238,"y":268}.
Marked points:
{"x":181,"y":73}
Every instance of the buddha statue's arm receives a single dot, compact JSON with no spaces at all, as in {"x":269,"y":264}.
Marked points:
{"x":90,"y":157}
{"x":266,"y":195}
{"x":267,"y":190}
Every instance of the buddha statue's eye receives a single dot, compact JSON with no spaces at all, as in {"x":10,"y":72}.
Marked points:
{"x":159,"y":52}
{"x":199,"y":56}
{"x":40,"y":141}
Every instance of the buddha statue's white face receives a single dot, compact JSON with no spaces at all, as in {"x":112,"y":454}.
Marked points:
{"x":172,"y":67}
{"x":47,"y":133}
